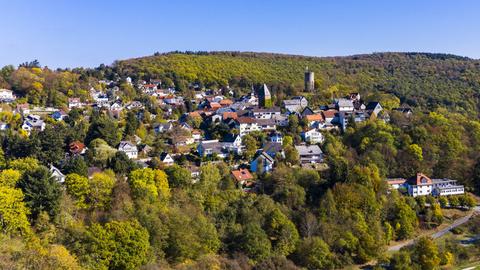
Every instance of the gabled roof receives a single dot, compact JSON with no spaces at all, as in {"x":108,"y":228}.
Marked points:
{"x":329,"y":113}
{"x":194,"y":114}
{"x":305,"y":150}
{"x":242,"y":175}
{"x":314,"y":117}
{"x":396,"y":181}
{"x":272,"y":147}
{"x":246,"y":120}
{"x":76,"y":147}
{"x":419,"y":179}
{"x":126,"y":144}
{"x":307,"y":111}
{"x":226,"y":102}
{"x":343,"y":102}
{"x":265,"y":122}
{"x":263,"y":155}
{"x":231,"y":115}
{"x":372,"y":105}
{"x":164,"y":155}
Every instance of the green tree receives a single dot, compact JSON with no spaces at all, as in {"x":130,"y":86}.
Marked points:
{"x":99,"y":152}
{"x":76,"y":165}
{"x":287,"y":141}
{"x":105,"y":128}
{"x":50,"y":144}
{"x":117,"y":245}
{"x":453,"y":201}
{"x":425,"y":254}
{"x":78,"y":187}
{"x":255,"y":243}
{"x":24,"y":164}
{"x":9,"y":177}
{"x":443,"y":201}
{"x":405,"y":220}
{"x":13,"y":211}
{"x":291,"y":155}
{"x":148,"y":183}
{"x":401,"y":261}
{"x":131,"y":124}
{"x":250,"y":144}
{"x":467,"y":201}
{"x":42,"y":192}
{"x":178,"y":176}
{"x":190,"y":237}
{"x":120,"y":163}
{"x":101,"y":186}
{"x":314,"y":253}
{"x":283,"y":233}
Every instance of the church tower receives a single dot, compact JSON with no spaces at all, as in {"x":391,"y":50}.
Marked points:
{"x":265,"y":97}
{"x":309,"y":80}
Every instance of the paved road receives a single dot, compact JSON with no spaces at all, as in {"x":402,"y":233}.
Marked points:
{"x":440,"y":233}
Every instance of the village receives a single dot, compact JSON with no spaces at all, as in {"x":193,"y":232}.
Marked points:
{"x":216,"y":126}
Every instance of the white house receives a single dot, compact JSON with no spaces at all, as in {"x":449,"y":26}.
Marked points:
{"x":265,"y":113}
{"x":100,"y":99}
{"x":296,"y":104}
{"x":33,"y":122}
{"x":247,"y":125}
{"x":345,"y":105}
{"x":196,"y":135}
{"x":6,"y":95}
{"x":57,"y":174}
{"x":313,"y":136}
{"x":134,"y":105}
{"x":129,"y":149}
{"x":74,"y":103}
{"x":211,"y":147}
{"x":163,"y":127}
{"x":167,"y":159}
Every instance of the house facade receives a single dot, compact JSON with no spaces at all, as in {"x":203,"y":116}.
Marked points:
{"x":309,"y":154}
{"x":129,"y":149}
{"x":313,"y":136}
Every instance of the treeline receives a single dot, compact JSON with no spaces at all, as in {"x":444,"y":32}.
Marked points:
{"x":427,"y":81}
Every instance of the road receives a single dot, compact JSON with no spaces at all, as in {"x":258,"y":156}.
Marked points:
{"x":440,"y":233}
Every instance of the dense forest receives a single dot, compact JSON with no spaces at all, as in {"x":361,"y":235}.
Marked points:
{"x":123,"y":216}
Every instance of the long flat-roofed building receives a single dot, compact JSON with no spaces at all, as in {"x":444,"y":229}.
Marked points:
{"x":422,"y":185}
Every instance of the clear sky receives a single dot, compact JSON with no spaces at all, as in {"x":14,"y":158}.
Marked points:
{"x":67,"y":33}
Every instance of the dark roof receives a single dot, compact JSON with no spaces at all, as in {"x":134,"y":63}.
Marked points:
{"x":270,"y":147}
{"x":229,"y":138}
{"x":307,"y":111}
{"x":163,"y":155}
{"x":372,"y":105}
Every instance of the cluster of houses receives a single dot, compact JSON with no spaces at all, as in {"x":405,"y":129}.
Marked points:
{"x":251,"y":113}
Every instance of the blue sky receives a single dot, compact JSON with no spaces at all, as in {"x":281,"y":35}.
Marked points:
{"x":62,"y":33}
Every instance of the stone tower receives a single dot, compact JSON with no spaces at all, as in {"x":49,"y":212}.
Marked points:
{"x":309,"y":80}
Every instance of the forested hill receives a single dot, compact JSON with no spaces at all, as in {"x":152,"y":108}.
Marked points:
{"x":418,"y":79}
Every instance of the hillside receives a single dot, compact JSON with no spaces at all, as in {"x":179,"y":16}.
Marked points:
{"x":418,"y":79}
